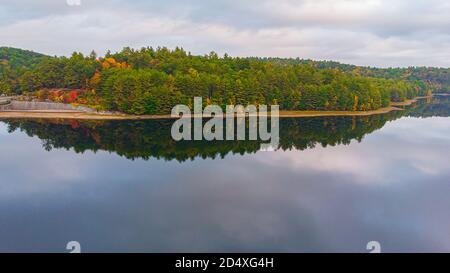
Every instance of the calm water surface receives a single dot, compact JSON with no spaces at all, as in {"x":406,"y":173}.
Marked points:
{"x":334,"y":184}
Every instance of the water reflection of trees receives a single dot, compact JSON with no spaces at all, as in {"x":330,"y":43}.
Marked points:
{"x":438,"y":106}
{"x":152,"y":139}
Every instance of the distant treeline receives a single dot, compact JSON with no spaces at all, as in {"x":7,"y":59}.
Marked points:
{"x":152,"y":81}
{"x":436,"y":78}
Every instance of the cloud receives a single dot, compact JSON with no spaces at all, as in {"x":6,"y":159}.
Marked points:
{"x":364,"y":32}
{"x":367,"y":164}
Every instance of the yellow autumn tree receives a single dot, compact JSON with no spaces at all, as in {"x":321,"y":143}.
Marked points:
{"x":355,"y":103}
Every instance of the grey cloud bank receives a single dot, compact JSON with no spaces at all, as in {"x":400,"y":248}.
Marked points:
{"x":363,"y":32}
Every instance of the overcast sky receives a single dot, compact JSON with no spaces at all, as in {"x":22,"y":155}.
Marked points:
{"x":363,"y":32}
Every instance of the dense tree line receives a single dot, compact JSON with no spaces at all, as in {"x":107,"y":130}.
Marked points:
{"x":435,"y":78}
{"x":152,"y":81}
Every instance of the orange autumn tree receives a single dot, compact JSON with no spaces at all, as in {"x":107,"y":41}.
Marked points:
{"x":108,"y":63}
{"x":95,"y":80}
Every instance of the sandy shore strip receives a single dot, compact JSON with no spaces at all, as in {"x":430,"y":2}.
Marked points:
{"x":93,"y":116}
{"x":300,"y":114}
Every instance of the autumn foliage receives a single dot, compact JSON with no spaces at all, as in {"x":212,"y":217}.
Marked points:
{"x":152,"y":81}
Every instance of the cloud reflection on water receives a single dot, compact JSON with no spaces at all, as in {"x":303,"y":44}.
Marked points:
{"x":392,"y":187}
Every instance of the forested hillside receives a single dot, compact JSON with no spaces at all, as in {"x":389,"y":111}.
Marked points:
{"x":13,"y":64}
{"x":16,"y":58}
{"x":152,"y":81}
{"x":436,"y":78}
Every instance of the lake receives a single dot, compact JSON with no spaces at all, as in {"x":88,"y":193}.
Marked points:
{"x":333,"y":185}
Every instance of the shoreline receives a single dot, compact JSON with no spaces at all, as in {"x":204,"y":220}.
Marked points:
{"x":52,"y":114}
{"x":90,"y":116}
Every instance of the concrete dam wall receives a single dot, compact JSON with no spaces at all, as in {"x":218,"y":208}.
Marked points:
{"x":42,"y":106}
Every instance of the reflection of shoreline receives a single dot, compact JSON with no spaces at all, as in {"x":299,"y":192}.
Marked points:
{"x":409,"y":102}
{"x":145,"y":139}
{"x":54,"y":114}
